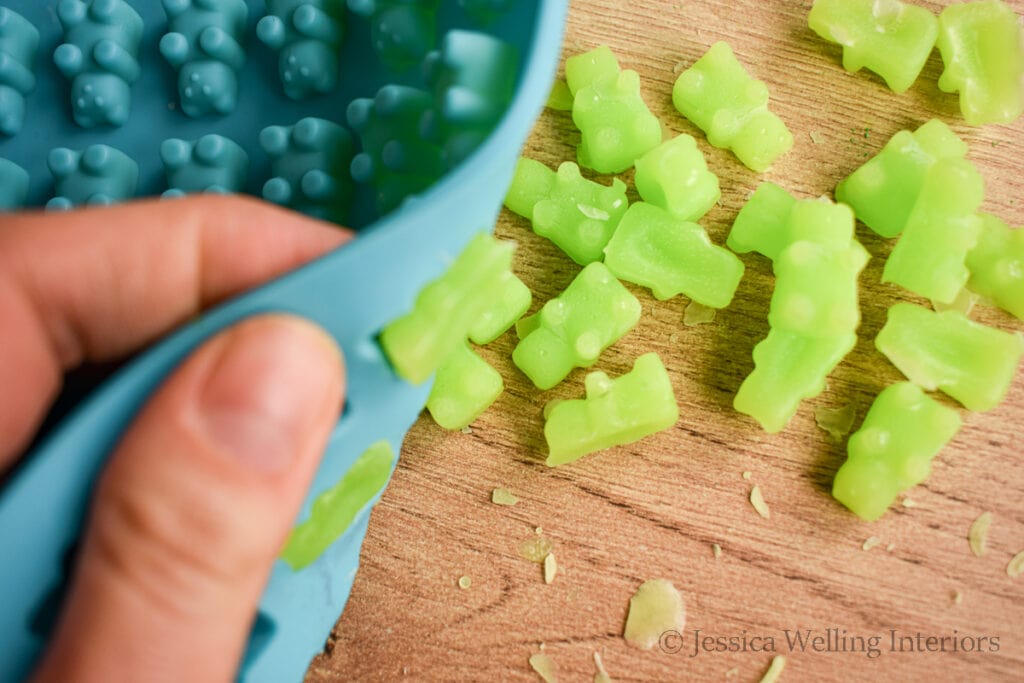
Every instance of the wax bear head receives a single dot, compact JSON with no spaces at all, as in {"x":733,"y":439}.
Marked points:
{"x":207,"y":87}
{"x":308,"y":68}
{"x":100,"y":98}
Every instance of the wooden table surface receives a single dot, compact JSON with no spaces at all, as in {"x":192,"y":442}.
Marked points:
{"x":654,"y":509}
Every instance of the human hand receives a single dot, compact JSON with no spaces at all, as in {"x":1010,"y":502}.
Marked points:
{"x":197,"y":500}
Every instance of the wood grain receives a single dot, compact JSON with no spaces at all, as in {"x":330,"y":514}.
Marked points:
{"x":655,"y":508}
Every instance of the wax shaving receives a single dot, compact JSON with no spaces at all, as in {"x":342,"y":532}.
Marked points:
{"x":698,"y":314}
{"x":1016,"y":566}
{"x":502,"y":496}
{"x":757,"y":500}
{"x":550,"y":568}
{"x":774,"y":671}
{"x":655,"y":608}
{"x":977,"y":535}
{"x":544,"y":666}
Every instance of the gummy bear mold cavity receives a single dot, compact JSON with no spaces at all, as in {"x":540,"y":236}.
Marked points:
{"x":212,"y":163}
{"x":99,"y":56}
{"x":308,"y":35}
{"x":97,"y":175}
{"x":204,"y":43}
{"x":19,"y":42}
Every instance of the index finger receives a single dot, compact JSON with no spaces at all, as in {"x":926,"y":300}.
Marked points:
{"x":95,"y":284}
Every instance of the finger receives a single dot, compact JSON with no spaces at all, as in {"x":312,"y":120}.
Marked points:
{"x":195,"y":505}
{"x":96,"y":283}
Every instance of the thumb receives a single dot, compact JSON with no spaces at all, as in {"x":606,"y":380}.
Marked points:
{"x":194,"y":506}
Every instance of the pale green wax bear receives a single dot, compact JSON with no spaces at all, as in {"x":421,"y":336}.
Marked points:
{"x":670,"y":256}
{"x":816,"y":289}
{"x":788,"y":368}
{"x":982,"y":46}
{"x":616,"y":126}
{"x":892,"y":451}
{"x":575,"y":327}
{"x":997,"y":265}
{"x":335,"y":509}
{"x":674,"y":176}
{"x":889,"y":37}
{"x":885,"y":189}
{"x":614,"y":412}
{"x":720,"y":97}
{"x":971,"y":362}
{"x":512,"y":302}
{"x":416,"y":344}
{"x":772,"y":220}
{"x":577,"y":214}
{"x":465,"y":386}
{"x":941,"y":229}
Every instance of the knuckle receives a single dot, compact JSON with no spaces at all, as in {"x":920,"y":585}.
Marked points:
{"x":169,"y":541}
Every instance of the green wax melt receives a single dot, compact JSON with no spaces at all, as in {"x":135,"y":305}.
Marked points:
{"x":513,"y":300}
{"x":465,"y":387}
{"x":889,"y":37}
{"x":884,"y":190}
{"x":816,"y":289}
{"x":615,"y":124}
{"x":972,"y":363}
{"x":982,"y":46}
{"x":584,"y":69}
{"x":416,"y":344}
{"x":671,"y":256}
{"x":788,"y":368}
{"x":577,"y":214}
{"x":772,"y":220}
{"x":892,"y":451}
{"x":574,"y":328}
{"x":942,"y":227}
{"x":335,"y":509}
{"x":721,"y":98}
{"x":997,"y":265}
{"x":614,"y":412}
{"x":674,"y":176}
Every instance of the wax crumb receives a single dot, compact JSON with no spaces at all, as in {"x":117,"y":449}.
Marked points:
{"x":963,"y":303}
{"x":747,"y":475}
{"x":465,"y":582}
{"x":958,"y":597}
{"x":550,"y":568}
{"x":908,"y":503}
{"x":593,"y":212}
{"x":466,"y":430}
{"x":817,"y":138}
{"x":716,"y":550}
{"x":560,"y":98}
{"x":502,"y":496}
{"x":679,"y":66}
{"x":698,"y":314}
{"x":538,"y":531}
{"x":535,"y":549}
{"x":1016,"y":566}
{"x":977,"y":535}
{"x":871,"y":542}
{"x":655,"y":608}
{"x":544,"y":666}
{"x":836,"y":422}
{"x":774,"y":671}
{"x":602,"y":675}
{"x":757,"y":500}
{"x":732,"y":672}
{"x":889,"y":548}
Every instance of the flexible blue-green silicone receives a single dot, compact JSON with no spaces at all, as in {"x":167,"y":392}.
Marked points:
{"x":352,"y":292}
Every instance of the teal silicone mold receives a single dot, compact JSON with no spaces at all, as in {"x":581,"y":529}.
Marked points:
{"x":352,"y":292}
